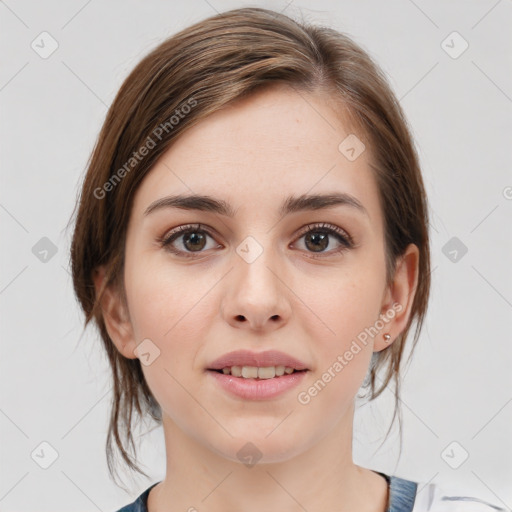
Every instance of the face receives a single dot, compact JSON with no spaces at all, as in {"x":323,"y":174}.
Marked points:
{"x":306,"y":282}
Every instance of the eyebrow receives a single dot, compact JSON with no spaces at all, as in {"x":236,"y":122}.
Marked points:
{"x":291,"y":204}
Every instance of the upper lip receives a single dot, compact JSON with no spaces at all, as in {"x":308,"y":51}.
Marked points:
{"x":259,"y":359}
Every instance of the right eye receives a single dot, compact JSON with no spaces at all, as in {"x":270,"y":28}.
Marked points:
{"x":193,"y":239}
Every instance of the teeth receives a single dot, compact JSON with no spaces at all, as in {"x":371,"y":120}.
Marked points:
{"x":249,"y":372}
{"x":267,"y":373}
{"x":253,"y":372}
{"x":236,"y":371}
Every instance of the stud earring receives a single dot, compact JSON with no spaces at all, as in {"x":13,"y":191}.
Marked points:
{"x":387,"y":337}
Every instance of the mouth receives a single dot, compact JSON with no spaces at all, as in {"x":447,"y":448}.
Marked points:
{"x":257,"y":373}
{"x":256,"y":383}
{"x":250,"y":375}
{"x":257,"y":365}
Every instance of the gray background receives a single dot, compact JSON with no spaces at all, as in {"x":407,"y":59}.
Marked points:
{"x":55,"y":385}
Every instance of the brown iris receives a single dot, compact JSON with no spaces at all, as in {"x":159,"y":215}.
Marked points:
{"x":320,"y":240}
{"x":196,"y":239}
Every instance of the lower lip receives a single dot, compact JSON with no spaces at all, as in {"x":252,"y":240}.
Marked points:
{"x":258,"y":389}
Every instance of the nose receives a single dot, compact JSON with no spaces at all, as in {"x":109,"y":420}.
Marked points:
{"x":257,"y":297}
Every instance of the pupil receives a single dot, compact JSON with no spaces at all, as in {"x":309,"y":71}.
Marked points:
{"x":320,"y":240}
{"x":194,"y":238}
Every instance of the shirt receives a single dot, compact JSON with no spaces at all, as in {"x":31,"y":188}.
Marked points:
{"x":404,"y":496}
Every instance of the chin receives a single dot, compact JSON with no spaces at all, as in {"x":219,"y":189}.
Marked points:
{"x":256,"y":449}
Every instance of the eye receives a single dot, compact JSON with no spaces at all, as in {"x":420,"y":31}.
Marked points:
{"x":318,"y":237}
{"x":193,"y":240}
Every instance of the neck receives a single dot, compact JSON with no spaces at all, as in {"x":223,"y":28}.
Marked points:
{"x":321,"y":476}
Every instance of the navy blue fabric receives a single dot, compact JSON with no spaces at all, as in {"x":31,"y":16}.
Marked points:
{"x":140,"y":504}
{"x":402,"y":494}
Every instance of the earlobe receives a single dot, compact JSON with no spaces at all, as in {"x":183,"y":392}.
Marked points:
{"x":115,"y":315}
{"x":399,"y":297}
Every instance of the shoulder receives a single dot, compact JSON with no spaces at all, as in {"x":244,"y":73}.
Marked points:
{"x":411,"y":496}
{"x":440,"y":498}
{"x":140,"y":504}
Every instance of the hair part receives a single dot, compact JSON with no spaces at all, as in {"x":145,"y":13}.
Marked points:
{"x":208,"y":66}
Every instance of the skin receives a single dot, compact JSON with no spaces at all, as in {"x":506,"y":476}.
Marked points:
{"x":254,"y":154}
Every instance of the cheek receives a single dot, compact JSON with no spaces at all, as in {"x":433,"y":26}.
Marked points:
{"x":163,"y":300}
{"x":341,"y":315}
{"x":342,"y":347}
{"x":342,"y":307}
{"x":174,"y":311}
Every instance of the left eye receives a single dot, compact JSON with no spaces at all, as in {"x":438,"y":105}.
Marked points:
{"x":318,"y":237}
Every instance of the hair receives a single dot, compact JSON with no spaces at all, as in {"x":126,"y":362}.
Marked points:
{"x":192,"y":74}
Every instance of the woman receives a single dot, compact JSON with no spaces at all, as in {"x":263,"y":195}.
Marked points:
{"x":252,"y":243}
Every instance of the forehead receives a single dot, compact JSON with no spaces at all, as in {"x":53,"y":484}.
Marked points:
{"x":275,"y":143}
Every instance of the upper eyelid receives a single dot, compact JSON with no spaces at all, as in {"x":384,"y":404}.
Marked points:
{"x":337,"y":230}
{"x":312,"y":226}
{"x":178,"y":230}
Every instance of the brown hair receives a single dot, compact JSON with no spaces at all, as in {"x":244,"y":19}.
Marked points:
{"x":193,"y":74}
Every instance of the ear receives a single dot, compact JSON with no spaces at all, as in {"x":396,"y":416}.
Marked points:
{"x":115,"y":315}
{"x":398,"y":297}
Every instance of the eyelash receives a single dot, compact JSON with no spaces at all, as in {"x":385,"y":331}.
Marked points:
{"x":343,"y":237}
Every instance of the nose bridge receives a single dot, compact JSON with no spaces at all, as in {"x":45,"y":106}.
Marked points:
{"x":257,"y":296}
